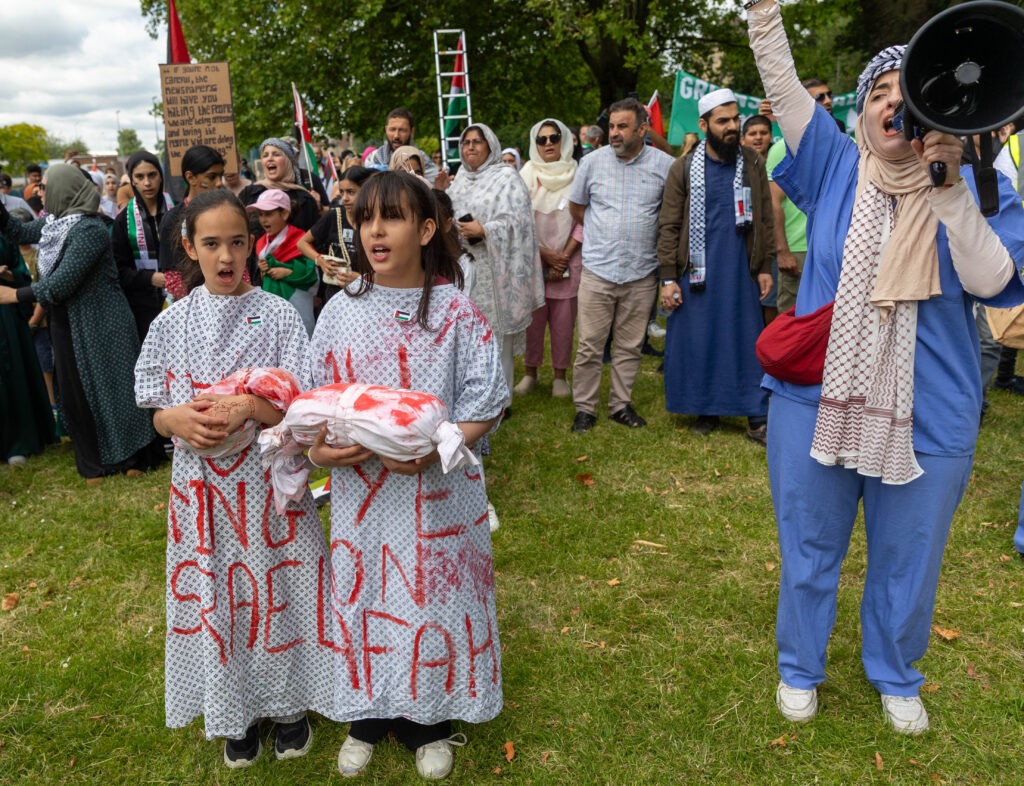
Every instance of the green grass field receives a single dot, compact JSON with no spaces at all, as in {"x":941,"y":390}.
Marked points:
{"x":637,"y":575}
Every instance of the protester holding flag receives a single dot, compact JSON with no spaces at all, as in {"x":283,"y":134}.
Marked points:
{"x":135,"y":239}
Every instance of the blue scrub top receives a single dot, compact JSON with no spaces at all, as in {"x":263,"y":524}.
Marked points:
{"x":821,"y":179}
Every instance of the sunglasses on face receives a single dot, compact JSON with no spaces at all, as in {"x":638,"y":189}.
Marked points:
{"x":553,"y":139}
{"x":820,"y":97}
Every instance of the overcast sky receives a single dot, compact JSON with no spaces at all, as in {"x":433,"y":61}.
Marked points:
{"x":69,"y":66}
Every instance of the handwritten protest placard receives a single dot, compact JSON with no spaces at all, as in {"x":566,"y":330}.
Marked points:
{"x":198,"y":111}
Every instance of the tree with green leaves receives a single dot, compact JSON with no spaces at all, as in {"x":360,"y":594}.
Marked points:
{"x":21,"y":144}
{"x":354,"y":60}
{"x":128,"y":142}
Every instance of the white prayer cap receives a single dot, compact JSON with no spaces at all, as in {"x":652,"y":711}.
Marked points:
{"x":715,"y":99}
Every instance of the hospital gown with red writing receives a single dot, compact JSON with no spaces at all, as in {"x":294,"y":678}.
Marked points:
{"x":413,"y":576}
{"x":249,"y":633}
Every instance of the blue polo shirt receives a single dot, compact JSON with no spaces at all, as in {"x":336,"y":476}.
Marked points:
{"x":821,"y":179}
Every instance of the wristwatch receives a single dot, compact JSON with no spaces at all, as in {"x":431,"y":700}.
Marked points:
{"x":666,"y":281}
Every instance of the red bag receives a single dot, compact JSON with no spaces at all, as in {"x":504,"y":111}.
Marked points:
{"x":792,"y":348}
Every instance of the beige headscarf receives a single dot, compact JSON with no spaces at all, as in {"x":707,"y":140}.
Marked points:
{"x":289,"y":180}
{"x":909,"y":268}
{"x":548,"y":182}
{"x":403,"y":154}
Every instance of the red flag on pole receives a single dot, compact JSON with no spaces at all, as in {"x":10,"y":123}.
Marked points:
{"x":177,"y":49}
{"x":305,"y":140}
{"x":654,"y":112}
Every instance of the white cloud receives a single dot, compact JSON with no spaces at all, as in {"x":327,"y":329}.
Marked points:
{"x":77,"y":69}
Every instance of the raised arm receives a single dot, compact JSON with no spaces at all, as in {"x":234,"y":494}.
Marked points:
{"x":791,"y":104}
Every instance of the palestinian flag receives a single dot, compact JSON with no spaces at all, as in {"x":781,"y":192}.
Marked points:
{"x":306,"y":157}
{"x":457,"y":99}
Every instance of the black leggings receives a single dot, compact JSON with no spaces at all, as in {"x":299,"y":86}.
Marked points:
{"x":412,"y":735}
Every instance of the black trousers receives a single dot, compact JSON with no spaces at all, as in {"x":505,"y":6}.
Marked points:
{"x":412,"y":735}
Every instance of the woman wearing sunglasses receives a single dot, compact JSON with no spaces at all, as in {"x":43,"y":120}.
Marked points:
{"x":548,"y":175}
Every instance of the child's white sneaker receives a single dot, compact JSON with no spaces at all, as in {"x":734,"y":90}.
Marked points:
{"x":353,"y":757}
{"x":434,"y":760}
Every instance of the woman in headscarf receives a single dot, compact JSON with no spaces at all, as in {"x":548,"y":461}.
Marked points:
{"x":510,"y":157}
{"x":895,"y":419}
{"x":135,"y":239}
{"x":95,"y":341}
{"x":494,"y":214}
{"x":281,"y":171}
{"x":548,"y":175}
{"x":407,"y":158}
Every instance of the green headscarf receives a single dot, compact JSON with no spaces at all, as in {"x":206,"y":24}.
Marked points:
{"x":69,"y":191}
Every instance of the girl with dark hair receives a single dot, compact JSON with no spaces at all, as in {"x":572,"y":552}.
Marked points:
{"x":135,"y":238}
{"x":243,"y":641}
{"x":405,"y":324}
{"x":202,"y":168}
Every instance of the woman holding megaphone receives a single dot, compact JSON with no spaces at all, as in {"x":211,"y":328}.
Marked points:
{"x":893,"y":266}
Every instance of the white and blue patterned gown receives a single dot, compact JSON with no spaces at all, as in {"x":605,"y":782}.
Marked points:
{"x":249,"y":634}
{"x":412,"y":570}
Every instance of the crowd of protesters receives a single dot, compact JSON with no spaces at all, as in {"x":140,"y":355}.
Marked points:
{"x":584,"y":244}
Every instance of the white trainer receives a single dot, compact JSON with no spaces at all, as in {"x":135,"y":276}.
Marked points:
{"x":654,"y":330}
{"x":796,"y":704}
{"x":906,"y":714}
{"x":434,"y":760}
{"x":492,"y":518}
{"x":353,"y":757}
{"x":526,"y":384}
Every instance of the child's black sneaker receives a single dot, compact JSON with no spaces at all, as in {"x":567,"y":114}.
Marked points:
{"x":242,"y":753}
{"x":293,"y":739}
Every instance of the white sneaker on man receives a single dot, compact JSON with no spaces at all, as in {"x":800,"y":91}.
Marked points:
{"x":434,"y":760}
{"x":906,"y":714}
{"x":654,"y":330}
{"x":796,"y":704}
{"x":353,"y":757}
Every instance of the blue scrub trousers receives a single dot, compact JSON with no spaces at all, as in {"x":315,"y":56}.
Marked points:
{"x":906,"y":528}
{"x":1018,"y":536}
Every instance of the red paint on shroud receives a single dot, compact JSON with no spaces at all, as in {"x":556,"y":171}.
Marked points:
{"x":253,"y":605}
{"x":347,"y":650}
{"x":373,"y":486}
{"x":448,"y":661}
{"x":332,"y":366}
{"x":291,"y":515}
{"x":404,"y":374}
{"x":474,"y":652}
{"x":193,"y":598}
{"x":237,"y":519}
{"x":272,"y":609}
{"x":358,"y":572}
{"x":235,"y":465}
{"x":174,"y":530}
{"x":369,"y":649}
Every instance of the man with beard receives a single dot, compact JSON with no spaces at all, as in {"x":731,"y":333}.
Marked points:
{"x":715,"y":249}
{"x":398,"y":131}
